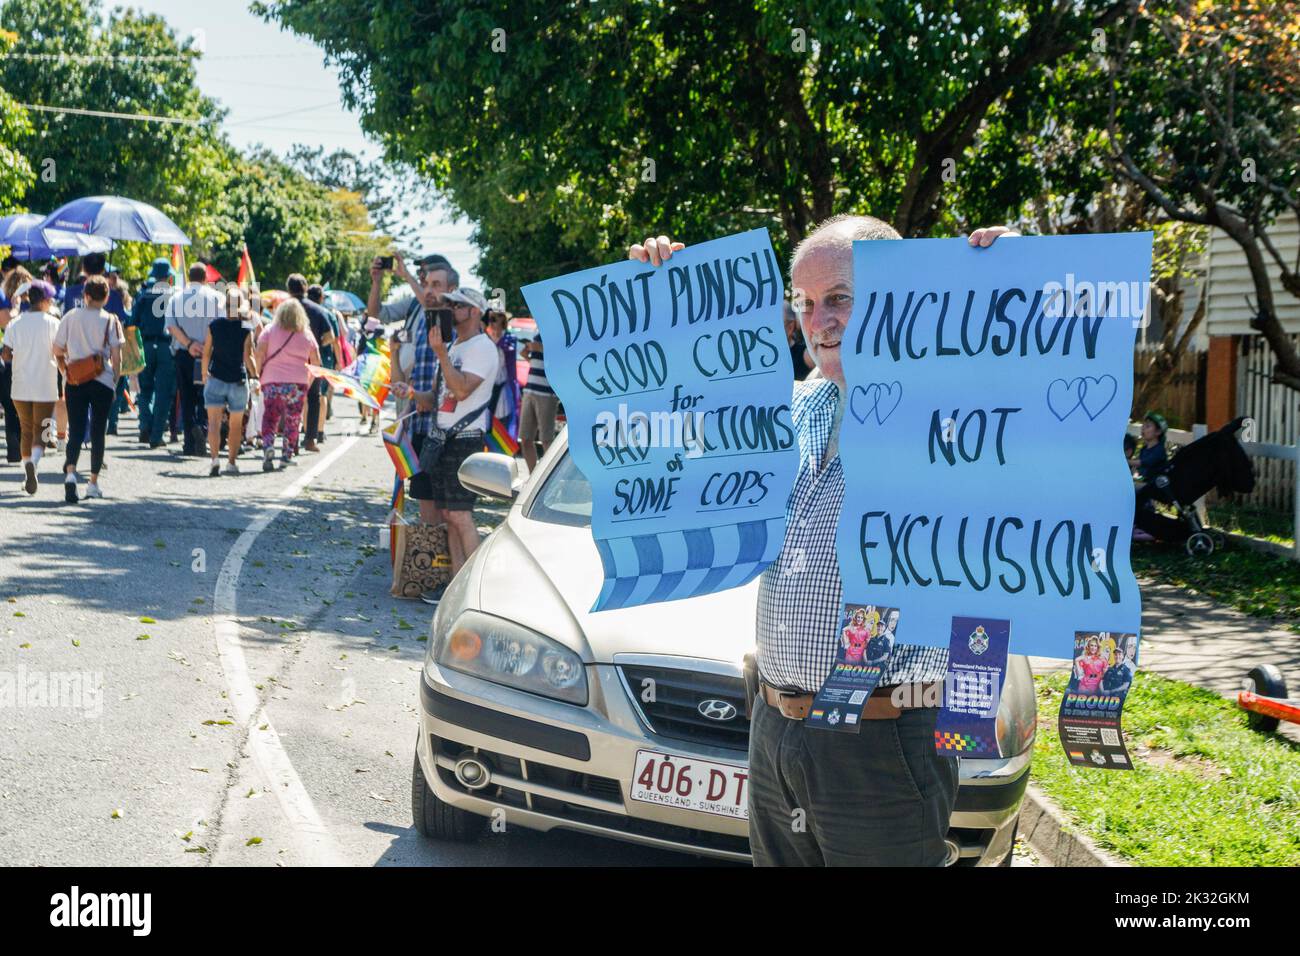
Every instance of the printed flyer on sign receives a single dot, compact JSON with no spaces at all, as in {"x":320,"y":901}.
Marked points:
{"x":988,"y":396}
{"x":676,"y":382}
{"x":866,"y":641}
{"x":1100,"y":677}
{"x":977,"y":662}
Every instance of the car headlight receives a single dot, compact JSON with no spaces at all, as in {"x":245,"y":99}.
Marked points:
{"x":506,"y":653}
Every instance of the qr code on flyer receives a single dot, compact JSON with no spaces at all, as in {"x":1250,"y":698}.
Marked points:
{"x":1109,"y":737}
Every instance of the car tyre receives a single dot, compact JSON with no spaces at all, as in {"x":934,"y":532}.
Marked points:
{"x":1267,"y":681}
{"x":436,"y":820}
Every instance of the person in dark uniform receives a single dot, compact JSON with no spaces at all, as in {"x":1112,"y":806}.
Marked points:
{"x":158,"y":379}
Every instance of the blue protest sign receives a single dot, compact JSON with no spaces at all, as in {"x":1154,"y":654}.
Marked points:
{"x":982,"y":445}
{"x":676,"y":382}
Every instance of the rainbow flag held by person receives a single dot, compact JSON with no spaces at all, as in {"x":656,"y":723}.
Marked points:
{"x":345,"y":384}
{"x":398,"y":445}
{"x":178,"y":263}
{"x":500,"y":440}
{"x":373,"y":369}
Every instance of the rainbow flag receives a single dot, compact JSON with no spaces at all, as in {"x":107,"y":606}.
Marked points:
{"x":373,"y":369}
{"x":398,"y":445}
{"x":500,"y":440}
{"x":345,"y":384}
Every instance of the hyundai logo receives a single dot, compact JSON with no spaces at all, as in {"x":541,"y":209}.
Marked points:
{"x":715,"y":709}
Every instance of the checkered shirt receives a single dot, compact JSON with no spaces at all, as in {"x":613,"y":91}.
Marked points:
{"x":800,"y":597}
{"x":423,"y":372}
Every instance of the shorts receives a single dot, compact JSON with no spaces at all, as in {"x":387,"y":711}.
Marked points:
{"x":537,"y":417}
{"x":232,"y":395}
{"x":443,"y":486}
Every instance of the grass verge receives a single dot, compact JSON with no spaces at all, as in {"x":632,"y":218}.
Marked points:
{"x":1205,"y":790}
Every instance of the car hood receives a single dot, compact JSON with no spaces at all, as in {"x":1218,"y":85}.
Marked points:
{"x":547,"y":576}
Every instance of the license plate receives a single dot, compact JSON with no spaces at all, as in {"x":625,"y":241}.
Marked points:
{"x":688,"y":783}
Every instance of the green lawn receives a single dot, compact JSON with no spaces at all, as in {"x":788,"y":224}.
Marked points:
{"x":1262,"y":585}
{"x":1205,"y":789}
{"x":1254,"y":521}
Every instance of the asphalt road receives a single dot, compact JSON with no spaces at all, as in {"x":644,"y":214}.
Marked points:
{"x":146,"y":724}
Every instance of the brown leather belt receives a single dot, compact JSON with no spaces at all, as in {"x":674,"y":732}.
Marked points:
{"x":880,"y":705}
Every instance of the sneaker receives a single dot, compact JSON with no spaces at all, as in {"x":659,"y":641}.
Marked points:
{"x":61,"y":445}
{"x":232,"y":467}
{"x":434,"y":595}
{"x":214,"y":471}
{"x":268,"y":464}
{"x":70,"y":489}
{"x":92,"y":490}
{"x":31,"y":484}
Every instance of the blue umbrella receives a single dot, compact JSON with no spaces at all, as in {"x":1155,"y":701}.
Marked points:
{"x":27,"y":241}
{"x":344,"y":301}
{"x":115,"y":217}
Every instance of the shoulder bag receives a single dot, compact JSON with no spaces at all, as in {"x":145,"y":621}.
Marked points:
{"x":87,"y":369}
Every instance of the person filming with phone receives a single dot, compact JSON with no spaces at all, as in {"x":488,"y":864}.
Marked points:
{"x":462,"y":396}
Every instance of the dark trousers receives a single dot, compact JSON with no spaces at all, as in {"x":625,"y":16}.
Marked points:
{"x":157,"y":390}
{"x":315,"y":391}
{"x":881,"y":797}
{"x":193,"y":413}
{"x":13,"y":433}
{"x":93,"y":400}
{"x":119,"y":404}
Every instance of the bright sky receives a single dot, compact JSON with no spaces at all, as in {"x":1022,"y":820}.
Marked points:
{"x":280,"y":93}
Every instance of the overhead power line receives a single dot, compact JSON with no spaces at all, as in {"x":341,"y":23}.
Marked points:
{"x":138,"y":117}
{"x":146,"y":57}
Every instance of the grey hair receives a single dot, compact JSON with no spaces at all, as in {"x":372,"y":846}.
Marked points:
{"x":840,"y":232}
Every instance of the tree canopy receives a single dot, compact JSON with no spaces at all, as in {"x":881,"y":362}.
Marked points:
{"x":561,"y":130}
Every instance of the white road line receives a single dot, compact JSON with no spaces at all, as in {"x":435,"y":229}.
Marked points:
{"x":269,"y":756}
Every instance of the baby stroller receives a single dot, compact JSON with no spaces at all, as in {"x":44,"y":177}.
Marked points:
{"x":1215,"y":461}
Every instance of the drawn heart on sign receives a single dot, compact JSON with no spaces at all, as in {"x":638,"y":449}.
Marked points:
{"x":879,"y":399}
{"x":1093,"y":395}
{"x":1063,"y":397}
{"x":1096,"y":394}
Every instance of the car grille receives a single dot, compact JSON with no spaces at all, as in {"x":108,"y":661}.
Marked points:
{"x":669,"y":700}
{"x":579,"y":785}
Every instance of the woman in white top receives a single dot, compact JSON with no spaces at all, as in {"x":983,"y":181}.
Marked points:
{"x":30,"y":339}
{"x":84,"y":333}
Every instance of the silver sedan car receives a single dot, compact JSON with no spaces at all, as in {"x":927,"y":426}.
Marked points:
{"x":628,"y":724}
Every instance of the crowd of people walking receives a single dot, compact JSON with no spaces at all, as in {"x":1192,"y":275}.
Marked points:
{"x":218,"y":369}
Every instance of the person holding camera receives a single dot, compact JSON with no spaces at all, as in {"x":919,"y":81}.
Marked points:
{"x":462,"y":395}
{"x":414,"y":362}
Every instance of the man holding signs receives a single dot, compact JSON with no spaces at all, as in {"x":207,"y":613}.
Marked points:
{"x":882,"y":796}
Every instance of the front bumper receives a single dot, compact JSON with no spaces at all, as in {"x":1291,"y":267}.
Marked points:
{"x":557,"y":766}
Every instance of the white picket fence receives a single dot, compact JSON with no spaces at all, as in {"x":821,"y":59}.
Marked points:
{"x":1261,"y":454}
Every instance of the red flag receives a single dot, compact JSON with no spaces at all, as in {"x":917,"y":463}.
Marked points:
{"x":246,"y":277}
{"x":178,"y":262}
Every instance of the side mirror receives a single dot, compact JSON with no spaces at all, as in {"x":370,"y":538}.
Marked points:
{"x":490,"y":475}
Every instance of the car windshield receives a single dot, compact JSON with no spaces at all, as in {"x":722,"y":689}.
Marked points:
{"x":565,"y":498}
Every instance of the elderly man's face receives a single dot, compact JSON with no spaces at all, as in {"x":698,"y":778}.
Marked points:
{"x":823,"y":280}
